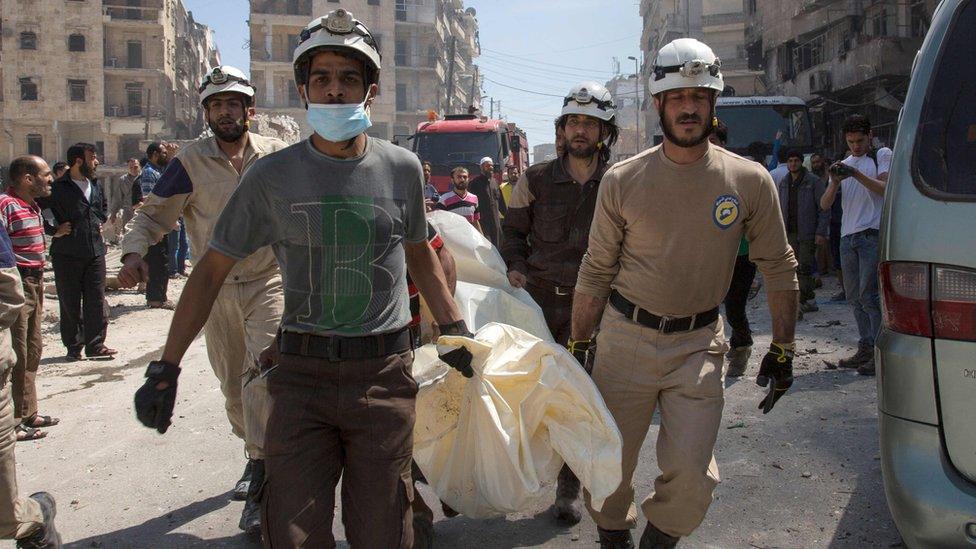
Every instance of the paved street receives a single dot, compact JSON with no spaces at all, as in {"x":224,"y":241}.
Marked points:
{"x":807,"y":475}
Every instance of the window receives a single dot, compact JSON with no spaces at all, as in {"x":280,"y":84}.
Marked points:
{"x":35,"y":144}
{"x":134,"y":54}
{"x":77,"y":90}
{"x":28,"y":40}
{"x":133,"y":99}
{"x":76,"y":42}
{"x":333,"y":1}
{"x":401,"y":97}
{"x":944,"y":159}
{"x":28,"y":89}
{"x":373,"y":2}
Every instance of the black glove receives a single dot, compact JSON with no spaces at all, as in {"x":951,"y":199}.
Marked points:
{"x":154,"y":407}
{"x":459,"y":358}
{"x":583,"y":350}
{"x":776,"y":366}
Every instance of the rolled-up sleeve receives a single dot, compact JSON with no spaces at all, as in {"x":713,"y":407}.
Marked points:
{"x":601,"y":262}
{"x":768,"y":247}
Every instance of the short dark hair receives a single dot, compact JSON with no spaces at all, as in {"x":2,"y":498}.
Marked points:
{"x":21,"y":166}
{"x":59,"y":165}
{"x":78,"y":150}
{"x":426,"y":163}
{"x":794,"y":153}
{"x":154,"y":148}
{"x":721,"y":131}
{"x":857,"y":123}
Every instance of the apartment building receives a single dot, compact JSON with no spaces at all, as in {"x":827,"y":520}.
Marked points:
{"x":115,"y":73}
{"x":628,"y":94}
{"x":427,"y":47}
{"x":841,"y":56}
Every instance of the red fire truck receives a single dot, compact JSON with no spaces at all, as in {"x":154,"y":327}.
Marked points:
{"x":463,"y":140}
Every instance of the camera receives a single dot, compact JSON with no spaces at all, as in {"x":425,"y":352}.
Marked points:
{"x":841,"y":170}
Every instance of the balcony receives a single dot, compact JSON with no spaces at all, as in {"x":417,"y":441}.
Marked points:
{"x":719,"y":19}
{"x":132,"y":16}
{"x":425,"y":15}
{"x":419,"y":62}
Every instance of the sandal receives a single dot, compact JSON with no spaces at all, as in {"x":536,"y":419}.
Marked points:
{"x":25,"y":433}
{"x":46,"y":421}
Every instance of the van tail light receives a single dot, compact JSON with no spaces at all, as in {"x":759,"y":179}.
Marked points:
{"x":954,"y":303}
{"x":905,"y":297}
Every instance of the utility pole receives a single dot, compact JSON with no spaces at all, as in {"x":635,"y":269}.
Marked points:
{"x":491,"y":108}
{"x":452,"y":51}
{"x":499,"y":108}
{"x":475,"y":99}
{"x":637,"y":102}
{"x":148,"y":105}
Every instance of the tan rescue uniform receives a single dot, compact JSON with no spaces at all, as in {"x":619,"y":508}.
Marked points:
{"x":665,"y":236}
{"x":248,"y":308}
{"x":19,"y":516}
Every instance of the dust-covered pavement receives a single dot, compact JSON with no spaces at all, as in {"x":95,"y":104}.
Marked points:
{"x":806,"y":475}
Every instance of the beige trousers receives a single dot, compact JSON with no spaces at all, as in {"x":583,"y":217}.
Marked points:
{"x":19,"y":517}
{"x":242,"y":323}
{"x":638,"y":369}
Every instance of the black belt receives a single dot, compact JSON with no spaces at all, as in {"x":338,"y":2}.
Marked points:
{"x":664,"y":324}
{"x":35,"y":272}
{"x":336,"y":348}
{"x":550,"y":287}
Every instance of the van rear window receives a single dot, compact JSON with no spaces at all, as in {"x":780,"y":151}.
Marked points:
{"x":945,"y":145}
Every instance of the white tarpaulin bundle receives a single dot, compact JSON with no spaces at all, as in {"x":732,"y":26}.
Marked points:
{"x":494,"y":444}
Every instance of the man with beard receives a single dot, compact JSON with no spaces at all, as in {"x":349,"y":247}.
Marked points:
{"x":79,"y":255}
{"x":548,"y":224}
{"x":196,"y":185}
{"x":459,"y":200}
{"x":662,"y":248}
{"x":806,"y":224}
{"x":490,"y":204}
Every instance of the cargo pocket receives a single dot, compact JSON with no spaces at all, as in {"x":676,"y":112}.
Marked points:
{"x":405,"y":497}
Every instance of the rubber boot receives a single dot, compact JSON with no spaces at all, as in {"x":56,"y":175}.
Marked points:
{"x":240,"y":489}
{"x":47,"y":536}
{"x":652,"y":538}
{"x":251,"y":516}
{"x":567,"y":507}
{"x":862,"y":355}
{"x":615,"y":539}
{"x":738,"y":360}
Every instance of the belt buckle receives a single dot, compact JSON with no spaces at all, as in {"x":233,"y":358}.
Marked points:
{"x":561,"y":292}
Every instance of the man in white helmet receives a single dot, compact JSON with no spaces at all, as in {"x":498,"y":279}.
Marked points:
{"x":196,"y":185}
{"x":490,"y":203}
{"x":548,"y":224}
{"x":344,"y":215}
{"x":662,"y":247}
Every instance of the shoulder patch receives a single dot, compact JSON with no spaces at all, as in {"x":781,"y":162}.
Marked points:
{"x":725,"y":211}
{"x":173,"y":181}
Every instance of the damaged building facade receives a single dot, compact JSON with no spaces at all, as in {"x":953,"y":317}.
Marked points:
{"x":115,"y":73}
{"x":428,"y":49}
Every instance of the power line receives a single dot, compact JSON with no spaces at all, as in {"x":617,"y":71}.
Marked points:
{"x":522,"y":90}
{"x":533,"y":71}
{"x":587,"y":46}
{"x":508,"y":57}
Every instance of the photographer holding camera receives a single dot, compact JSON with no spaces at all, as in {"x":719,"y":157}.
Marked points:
{"x":862,"y":177}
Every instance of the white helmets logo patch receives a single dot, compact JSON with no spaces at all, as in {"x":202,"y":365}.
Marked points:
{"x":726,"y":211}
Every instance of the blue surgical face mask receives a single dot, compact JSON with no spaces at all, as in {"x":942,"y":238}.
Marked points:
{"x":338,"y":122}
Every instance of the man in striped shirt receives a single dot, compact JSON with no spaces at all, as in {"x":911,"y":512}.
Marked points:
{"x":30,"y":178}
{"x":460,"y":201}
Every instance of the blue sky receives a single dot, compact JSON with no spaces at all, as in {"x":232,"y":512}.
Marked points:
{"x":543,"y":47}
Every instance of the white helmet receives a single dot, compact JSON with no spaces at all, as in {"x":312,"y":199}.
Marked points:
{"x":488,"y":160}
{"x":686,"y":63}
{"x":225,"y":78}
{"x":590,"y":99}
{"x":337,"y":29}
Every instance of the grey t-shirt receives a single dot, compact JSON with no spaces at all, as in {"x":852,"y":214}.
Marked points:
{"x":337,"y":228}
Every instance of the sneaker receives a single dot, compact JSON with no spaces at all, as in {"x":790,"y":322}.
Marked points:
{"x":838,"y":297}
{"x":653,"y":538}
{"x":738,"y":358}
{"x":863,"y":355}
{"x":615,"y":539}
{"x":251,"y":516}
{"x":240,"y":489}
{"x":567,"y":507}
{"x":809,"y":306}
{"x":45,"y":537}
{"x":866,"y":369}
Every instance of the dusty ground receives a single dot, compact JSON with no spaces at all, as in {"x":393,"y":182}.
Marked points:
{"x":807,"y":475}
